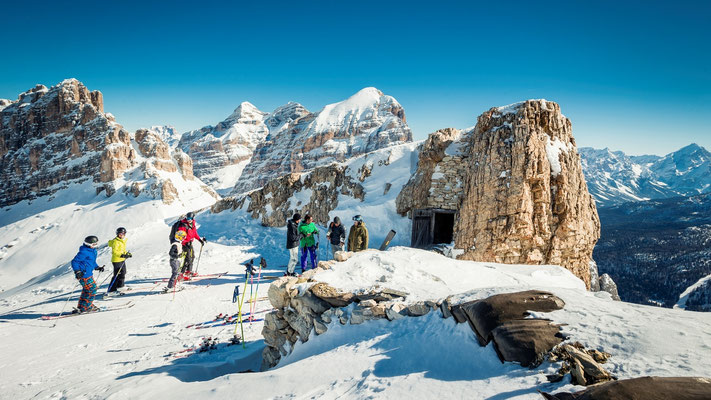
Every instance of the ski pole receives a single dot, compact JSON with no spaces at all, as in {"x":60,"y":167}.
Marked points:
{"x":115,"y":277}
{"x":253,"y":305}
{"x":199,"y":255}
{"x":239,"y":315}
{"x":67,"y":302}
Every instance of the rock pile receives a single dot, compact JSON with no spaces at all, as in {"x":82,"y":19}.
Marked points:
{"x":304,"y":305}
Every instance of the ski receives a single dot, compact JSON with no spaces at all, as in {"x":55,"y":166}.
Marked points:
{"x":198,"y":277}
{"x":387,"y":240}
{"x":114,"y":308}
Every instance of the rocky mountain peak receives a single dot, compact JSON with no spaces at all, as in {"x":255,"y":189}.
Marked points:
{"x":299,"y":140}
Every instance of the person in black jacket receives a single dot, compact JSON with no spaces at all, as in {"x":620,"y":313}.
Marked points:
{"x":336,"y":235}
{"x":292,"y":243}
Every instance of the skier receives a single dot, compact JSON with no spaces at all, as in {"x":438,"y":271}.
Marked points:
{"x":191,"y":230}
{"x":292,"y":243}
{"x":118,"y":259}
{"x":308,"y":244}
{"x":84,"y":264}
{"x":336,"y":235}
{"x":358,"y":235}
{"x":175,"y":253}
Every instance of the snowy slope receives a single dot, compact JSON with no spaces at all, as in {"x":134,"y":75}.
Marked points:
{"x":127,"y":353}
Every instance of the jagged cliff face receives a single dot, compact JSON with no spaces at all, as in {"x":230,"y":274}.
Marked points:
{"x":370,"y":180}
{"x":221,"y":152}
{"x":50,"y":138}
{"x":525,"y":198}
{"x":299,"y":140}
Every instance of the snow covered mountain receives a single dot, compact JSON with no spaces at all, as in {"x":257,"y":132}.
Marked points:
{"x":614,"y":177}
{"x":221,"y":152}
{"x":299,"y":140}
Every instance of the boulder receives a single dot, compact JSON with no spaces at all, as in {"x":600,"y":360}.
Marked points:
{"x":309,"y":303}
{"x":487,"y":314}
{"x":417,"y":309}
{"x":592,"y":371}
{"x":332,"y":296}
{"x":526,"y":341}
{"x":396,"y":311}
{"x":278,"y":292}
{"x":646,"y":388}
{"x":342,"y":255}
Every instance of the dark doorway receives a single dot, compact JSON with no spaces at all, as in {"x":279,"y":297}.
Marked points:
{"x":432,"y":226}
{"x":443,"y":227}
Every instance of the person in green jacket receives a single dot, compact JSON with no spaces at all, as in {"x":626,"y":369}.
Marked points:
{"x":118,"y":259}
{"x":308,"y":244}
{"x":358,"y":235}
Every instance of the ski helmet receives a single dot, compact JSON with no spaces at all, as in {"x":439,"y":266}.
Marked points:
{"x":358,"y":218}
{"x":91,"y":241}
{"x":190,"y":216}
{"x":121,"y":230}
{"x":337,"y":220}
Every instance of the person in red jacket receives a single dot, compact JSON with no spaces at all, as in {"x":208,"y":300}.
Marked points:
{"x":191,"y":234}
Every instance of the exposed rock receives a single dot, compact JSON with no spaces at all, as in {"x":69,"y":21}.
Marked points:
{"x":525,"y":200}
{"x":343,"y":255}
{"x":299,"y":140}
{"x":487,"y":314}
{"x":332,"y":296}
{"x":278,"y":291}
{"x":319,"y":327}
{"x":417,"y":309}
{"x":647,"y":388}
{"x":426,"y":188}
{"x":309,"y":302}
{"x":609,"y":286}
{"x":50,"y":138}
{"x":396,"y":311}
{"x":368,"y":303}
{"x":592,"y":371}
{"x":526,"y":341}
{"x":594,"y":277}
{"x":446,"y":308}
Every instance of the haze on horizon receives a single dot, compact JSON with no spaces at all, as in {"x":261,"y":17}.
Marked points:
{"x":631,"y":77}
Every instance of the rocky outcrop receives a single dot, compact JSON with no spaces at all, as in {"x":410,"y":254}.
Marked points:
{"x":221,"y":152}
{"x":438,"y":181}
{"x":602,"y":283}
{"x":50,"y":138}
{"x":525,"y":199}
{"x":516,"y":182}
{"x":647,"y":388}
{"x":299,"y":140}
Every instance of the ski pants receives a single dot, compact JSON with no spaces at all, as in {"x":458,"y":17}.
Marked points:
{"x":174,"y":269}
{"x":293,"y":259}
{"x":312,"y":251}
{"x":87,"y":293}
{"x":189,"y":257}
{"x":119,"y":275}
{"x":335,"y":248}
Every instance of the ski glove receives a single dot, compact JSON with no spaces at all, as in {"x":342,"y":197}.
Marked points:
{"x":203,"y":241}
{"x":126,"y":255}
{"x":79,"y":274}
{"x":100,"y":269}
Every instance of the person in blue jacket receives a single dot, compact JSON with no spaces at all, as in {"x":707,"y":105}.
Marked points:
{"x":84,"y":264}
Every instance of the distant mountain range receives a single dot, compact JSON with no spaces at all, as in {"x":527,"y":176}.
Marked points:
{"x":614,"y":177}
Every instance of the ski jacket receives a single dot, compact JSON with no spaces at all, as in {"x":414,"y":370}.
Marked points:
{"x":292,"y":234}
{"x":175,"y":250}
{"x":358,"y":237}
{"x":85,"y":261}
{"x":118,"y":248}
{"x":307,"y":232}
{"x":191,"y":231}
{"x":337,"y":234}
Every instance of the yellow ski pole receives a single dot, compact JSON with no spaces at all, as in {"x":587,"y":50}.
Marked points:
{"x":239,"y":312}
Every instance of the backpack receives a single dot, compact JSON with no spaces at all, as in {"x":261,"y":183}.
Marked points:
{"x":174,"y":229}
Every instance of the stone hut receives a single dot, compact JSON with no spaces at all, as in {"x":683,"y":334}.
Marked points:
{"x":510,"y":190}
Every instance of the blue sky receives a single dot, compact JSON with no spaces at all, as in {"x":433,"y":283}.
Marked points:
{"x":634,"y":77}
